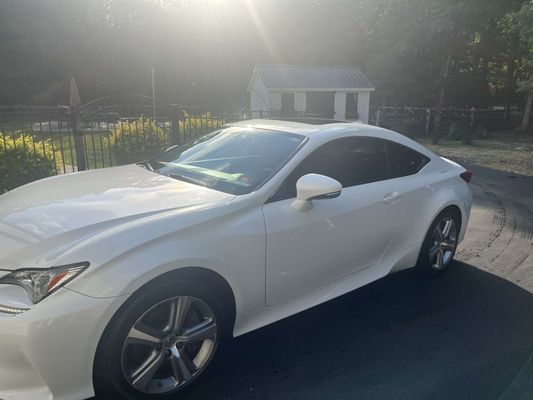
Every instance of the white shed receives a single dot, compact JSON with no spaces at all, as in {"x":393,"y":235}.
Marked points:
{"x":337,"y":92}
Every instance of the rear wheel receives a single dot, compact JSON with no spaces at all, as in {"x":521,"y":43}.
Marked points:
{"x":159,"y":343}
{"x":439,"y":244}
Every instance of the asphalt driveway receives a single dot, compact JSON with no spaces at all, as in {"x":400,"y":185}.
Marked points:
{"x":465,"y":335}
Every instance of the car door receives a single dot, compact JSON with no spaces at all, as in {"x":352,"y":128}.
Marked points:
{"x":337,"y":236}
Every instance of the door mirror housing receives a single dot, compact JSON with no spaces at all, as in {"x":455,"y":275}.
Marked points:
{"x":314,"y":187}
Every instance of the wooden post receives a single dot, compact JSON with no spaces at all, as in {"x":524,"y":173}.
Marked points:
{"x":75,"y":118}
{"x":468,"y":133}
{"x":378,"y":117}
{"x":435,"y":126}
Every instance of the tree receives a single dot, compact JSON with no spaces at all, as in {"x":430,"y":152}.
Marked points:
{"x":520,"y":23}
{"x":416,"y":52}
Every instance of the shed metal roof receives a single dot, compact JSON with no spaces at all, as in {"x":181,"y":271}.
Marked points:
{"x":276,"y":76}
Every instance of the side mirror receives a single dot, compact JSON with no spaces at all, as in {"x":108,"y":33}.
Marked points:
{"x":314,"y":187}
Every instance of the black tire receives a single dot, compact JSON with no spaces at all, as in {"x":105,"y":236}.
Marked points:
{"x":425,"y":264}
{"x":108,"y":377}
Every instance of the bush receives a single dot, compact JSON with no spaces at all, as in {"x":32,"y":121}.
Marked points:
{"x":200,"y":123}
{"x":142,"y":139}
{"x":137,"y":140}
{"x":23,"y":161}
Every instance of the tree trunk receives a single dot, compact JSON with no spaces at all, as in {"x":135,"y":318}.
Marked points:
{"x":442,"y":95}
{"x":527,"y":113}
{"x":509,"y":87}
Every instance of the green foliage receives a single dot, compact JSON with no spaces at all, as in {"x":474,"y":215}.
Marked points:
{"x":24,"y":160}
{"x":520,"y":25}
{"x":199,"y":124}
{"x":138,"y":140}
{"x":142,"y":139}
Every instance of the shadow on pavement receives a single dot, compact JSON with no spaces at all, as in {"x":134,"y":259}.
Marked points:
{"x":465,"y":335}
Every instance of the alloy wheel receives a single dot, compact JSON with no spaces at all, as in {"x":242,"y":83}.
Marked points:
{"x":169,"y":345}
{"x":443,"y":243}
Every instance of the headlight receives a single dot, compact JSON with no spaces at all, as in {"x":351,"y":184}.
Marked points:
{"x":39,"y":282}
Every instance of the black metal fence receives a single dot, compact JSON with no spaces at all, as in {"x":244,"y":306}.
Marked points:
{"x":104,"y":135}
{"x":413,"y":121}
{"x":121,"y":129}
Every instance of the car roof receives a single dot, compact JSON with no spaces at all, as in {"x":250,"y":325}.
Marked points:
{"x":299,"y":128}
{"x":334,"y":129}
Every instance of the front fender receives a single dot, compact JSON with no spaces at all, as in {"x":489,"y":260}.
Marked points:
{"x":232,"y":245}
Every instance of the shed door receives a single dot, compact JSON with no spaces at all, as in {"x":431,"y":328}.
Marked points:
{"x":321,"y":104}
{"x":287,"y":104}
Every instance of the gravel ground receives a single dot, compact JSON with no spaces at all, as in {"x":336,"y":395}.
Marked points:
{"x":507,"y":152}
{"x":465,"y":335}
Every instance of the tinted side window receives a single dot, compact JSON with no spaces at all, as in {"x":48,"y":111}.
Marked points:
{"x":404,"y":161}
{"x":351,"y":161}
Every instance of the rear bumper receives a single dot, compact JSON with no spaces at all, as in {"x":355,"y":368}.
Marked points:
{"x":48,"y":351}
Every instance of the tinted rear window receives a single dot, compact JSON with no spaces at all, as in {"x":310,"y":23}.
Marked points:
{"x":404,"y":161}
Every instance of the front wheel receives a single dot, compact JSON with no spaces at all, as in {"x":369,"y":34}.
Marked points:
{"x":439,"y":244}
{"x":158,"y":344}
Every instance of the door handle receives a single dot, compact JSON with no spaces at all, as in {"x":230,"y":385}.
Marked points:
{"x":391,"y":197}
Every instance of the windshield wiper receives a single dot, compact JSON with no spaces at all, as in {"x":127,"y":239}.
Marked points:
{"x":147,"y":165}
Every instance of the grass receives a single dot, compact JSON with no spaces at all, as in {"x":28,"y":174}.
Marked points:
{"x":506,"y":151}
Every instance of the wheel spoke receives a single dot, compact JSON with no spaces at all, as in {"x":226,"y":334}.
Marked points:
{"x":144,"y":335}
{"x":439,"y":259}
{"x":144,"y":374}
{"x":447,"y":246}
{"x":205,"y":330}
{"x":179,"y":309}
{"x":182,"y":366}
{"x":169,"y":345}
{"x":433,"y":252}
{"x":448,"y":224}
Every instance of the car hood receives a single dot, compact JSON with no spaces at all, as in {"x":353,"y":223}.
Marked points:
{"x":81,"y":203}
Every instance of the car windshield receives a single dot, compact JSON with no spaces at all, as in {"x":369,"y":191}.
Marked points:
{"x":233,"y":160}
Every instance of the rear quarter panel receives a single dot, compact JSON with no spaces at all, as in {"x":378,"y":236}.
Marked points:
{"x":427,"y":193}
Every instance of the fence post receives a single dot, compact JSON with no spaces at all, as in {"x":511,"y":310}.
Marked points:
{"x":436,"y":126}
{"x":75,"y":119}
{"x":174,"y":124}
{"x":378,"y":117}
{"x":79,"y":143}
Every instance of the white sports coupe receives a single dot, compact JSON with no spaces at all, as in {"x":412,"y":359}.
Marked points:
{"x":122,"y":282}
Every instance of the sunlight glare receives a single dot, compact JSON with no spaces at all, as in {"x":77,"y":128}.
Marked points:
{"x":263,"y":31}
